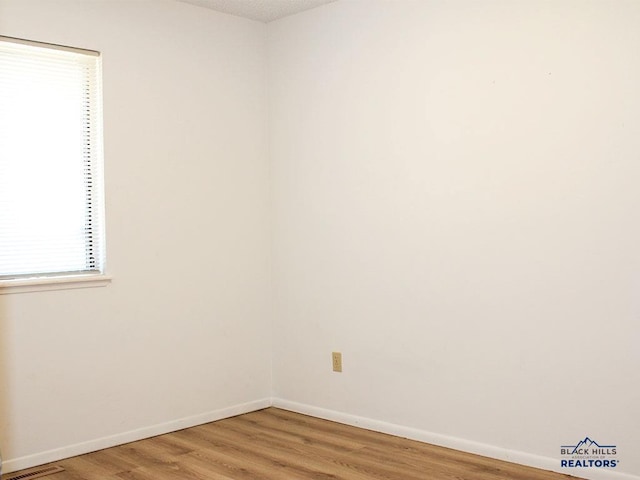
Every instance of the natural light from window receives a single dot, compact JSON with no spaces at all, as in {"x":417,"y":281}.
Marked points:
{"x":50,"y":209}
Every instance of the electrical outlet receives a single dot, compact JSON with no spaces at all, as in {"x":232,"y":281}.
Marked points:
{"x":336,"y":357}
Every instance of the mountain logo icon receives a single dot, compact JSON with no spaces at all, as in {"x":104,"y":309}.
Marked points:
{"x":584,"y":444}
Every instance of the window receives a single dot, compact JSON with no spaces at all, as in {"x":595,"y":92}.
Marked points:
{"x":51,"y":210}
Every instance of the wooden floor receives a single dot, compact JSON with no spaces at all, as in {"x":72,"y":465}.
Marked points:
{"x":276,"y":444}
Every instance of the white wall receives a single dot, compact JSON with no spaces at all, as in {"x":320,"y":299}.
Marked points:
{"x":456,"y":210}
{"x":183,"y":332}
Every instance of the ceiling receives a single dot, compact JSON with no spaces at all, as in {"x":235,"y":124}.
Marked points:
{"x":260,"y":10}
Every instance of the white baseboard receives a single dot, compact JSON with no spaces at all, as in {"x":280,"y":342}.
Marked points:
{"x":20,"y":463}
{"x":522,"y":458}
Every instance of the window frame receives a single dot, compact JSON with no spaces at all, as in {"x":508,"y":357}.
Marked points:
{"x":33,"y":282}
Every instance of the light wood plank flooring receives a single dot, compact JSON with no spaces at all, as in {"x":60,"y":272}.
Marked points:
{"x":276,"y":444}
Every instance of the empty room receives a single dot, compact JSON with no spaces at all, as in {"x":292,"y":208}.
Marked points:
{"x":320,"y":239}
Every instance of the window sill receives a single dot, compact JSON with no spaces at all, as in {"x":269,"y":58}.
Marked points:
{"x":43,"y":284}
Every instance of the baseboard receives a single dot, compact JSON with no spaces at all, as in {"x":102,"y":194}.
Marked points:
{"x":522,"y":458}
{"x":20,"y":463}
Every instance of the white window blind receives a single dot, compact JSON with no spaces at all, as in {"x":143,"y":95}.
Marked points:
{"x":51,"y":213}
